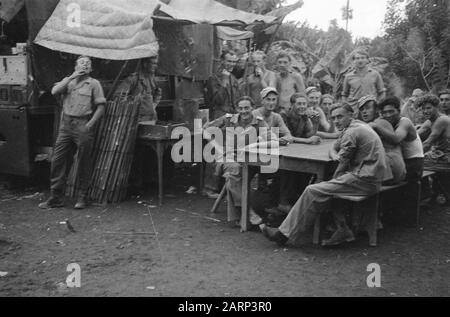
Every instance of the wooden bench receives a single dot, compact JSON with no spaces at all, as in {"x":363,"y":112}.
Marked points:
{"x":366,"y":210}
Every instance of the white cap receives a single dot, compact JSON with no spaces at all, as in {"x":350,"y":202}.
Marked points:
{"x":266,"y":91}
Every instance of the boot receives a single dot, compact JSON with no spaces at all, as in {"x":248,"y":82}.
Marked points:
{"x":81,"y":203}
{"x":52,"y":202}
{"x":340,"y":236}
{"x":274,"y":235}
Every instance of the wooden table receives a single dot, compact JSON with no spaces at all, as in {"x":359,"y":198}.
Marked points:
{"x":160,"y":145}
{"x":312,"y":159}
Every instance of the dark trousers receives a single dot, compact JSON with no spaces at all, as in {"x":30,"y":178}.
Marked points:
{"x":73,"y":137}
{"x":414,"y":169}
{"x":292,"y":185}
{"x":405,"y":204}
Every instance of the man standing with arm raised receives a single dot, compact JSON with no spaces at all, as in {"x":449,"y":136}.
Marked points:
{"x":260,"y":79}
{"x":81,"y":94}
{"x":223,"y":88}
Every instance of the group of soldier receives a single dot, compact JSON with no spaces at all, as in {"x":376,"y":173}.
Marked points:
{"x":378,"y":140}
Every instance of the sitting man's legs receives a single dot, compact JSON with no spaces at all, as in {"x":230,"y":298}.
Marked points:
{"x":441,"y":166}
{"x":232,"y":172}
{"x":292,"y":186}
{"x":314,"y":200}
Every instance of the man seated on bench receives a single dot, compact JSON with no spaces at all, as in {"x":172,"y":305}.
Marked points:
{"x":404,"y":134}
{"x":368,"y":112}
{"x":437,"y":144}
{"x":269,"y":102}
{"x":361,"y":169}
{"x":303,"y":122}
{"x":232,"y":171}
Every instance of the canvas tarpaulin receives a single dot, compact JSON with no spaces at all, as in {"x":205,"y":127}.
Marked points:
{"x":230,"y":34}
{"x":123,"y":30}
{"x":210,"y":12}
{"x":109,"y":29}
{"x":9,"y":9}
{"x":38,"y":13}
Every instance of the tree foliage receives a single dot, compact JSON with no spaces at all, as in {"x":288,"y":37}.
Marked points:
{"x":418,"y":42}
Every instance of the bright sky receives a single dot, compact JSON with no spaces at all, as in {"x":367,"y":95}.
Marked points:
{"x":368,"y":15}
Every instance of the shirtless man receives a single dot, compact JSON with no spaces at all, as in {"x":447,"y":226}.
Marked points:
{"x":288,"y":83}
{"x":444,"y":96}
{"x":437,"y":144}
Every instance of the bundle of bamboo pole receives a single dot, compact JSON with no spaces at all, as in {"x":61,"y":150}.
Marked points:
{"x":113,"y":151}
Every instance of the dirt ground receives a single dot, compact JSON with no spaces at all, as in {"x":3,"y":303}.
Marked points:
{"x":181,"y":249}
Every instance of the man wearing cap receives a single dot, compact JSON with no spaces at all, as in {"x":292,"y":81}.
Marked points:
{"x":232,"y":171}
{"x":269,"y":97}
{"x":83,"y":106}
{"x":362,"y":164}
{"x":303,"y":123}
{"x":363,"y":81}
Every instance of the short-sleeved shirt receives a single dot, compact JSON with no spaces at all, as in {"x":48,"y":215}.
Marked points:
{"x":361,"y":147}
{"x":300,"y":127}
{"x":80,"y":98}
{"x":233,"y":121}
{"x":357,"y":85}
{"x":274,"y":120}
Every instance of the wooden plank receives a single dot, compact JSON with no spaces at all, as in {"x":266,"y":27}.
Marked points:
{"x":428,"y":174}
{"x":245,"y":196}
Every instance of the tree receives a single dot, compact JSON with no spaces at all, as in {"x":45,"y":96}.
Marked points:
{"x":419,"y":33}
